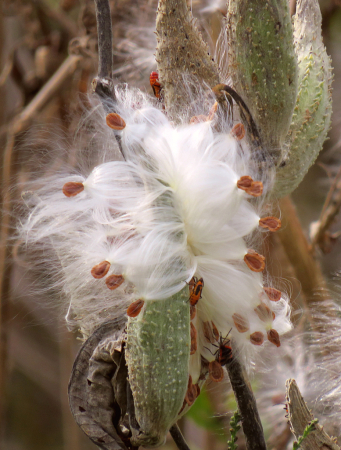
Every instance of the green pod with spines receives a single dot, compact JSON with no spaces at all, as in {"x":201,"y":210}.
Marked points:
{"x":158,"y":355}
{"x":312,"y":112}
{"x":263,"y":66}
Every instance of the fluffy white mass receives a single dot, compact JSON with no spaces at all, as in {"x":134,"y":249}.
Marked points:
{"x":170,"y":211}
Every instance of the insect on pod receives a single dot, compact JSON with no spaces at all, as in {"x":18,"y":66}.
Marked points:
{"x":156,"y":86}
{"x":195,"y":289}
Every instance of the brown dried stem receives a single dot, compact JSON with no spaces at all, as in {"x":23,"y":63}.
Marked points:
{"x":307,"y":268}
{"x":102,"y":84}
{"x":178,"y":437}
{"x":330,"y":210}
{"x":251,"y":423}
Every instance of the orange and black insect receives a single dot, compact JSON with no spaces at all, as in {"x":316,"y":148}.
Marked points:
{"x":195,"y":289}
{"x":223,"y":353}
{"x":156,"y":86}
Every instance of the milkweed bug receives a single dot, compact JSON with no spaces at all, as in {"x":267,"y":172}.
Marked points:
{"x":156,"y":86}
{"x":195,"y":289}
{"x":223,"y":354}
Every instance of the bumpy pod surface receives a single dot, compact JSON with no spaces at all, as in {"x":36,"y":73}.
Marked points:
{"x":311,"y":119}
{"x":181,"y":54}
{"x":263,"y":66}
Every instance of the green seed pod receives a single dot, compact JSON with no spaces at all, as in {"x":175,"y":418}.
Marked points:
{"x":180,"y":52}
{"x":311,"y":118}
{"x":263,"y":66}
{"x":158,"y":354}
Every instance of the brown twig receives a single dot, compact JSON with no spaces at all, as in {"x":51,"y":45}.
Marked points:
{"x":57,"y":15}
{"x":102,"y":84}
{"x":251,"y":423}
{"x":178,"y":438}
{"x":307,"y":268}
{"x":330,"y":210}
{"x":46,"y":92}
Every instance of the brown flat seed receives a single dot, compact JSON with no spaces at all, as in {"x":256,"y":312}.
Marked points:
{"x":238,"y":131}
{"x":257,"y":338}
{"x":241,"y":323}
{"x":114,"y":281}
{"x":263,"y":312}
{"x":193,"y":339}
{"x":71,"y":189}
{"x":270,"y":223}
{"x":198,"y":119}
{"x":115,"y":121}
{"x":135,"y":308}
{"x":255,"y":261}
{"x":213,"y":110}
{"x":273,"y":337}
{"x":100,"y":270}
{"x":256,"y":189}
{"x":245,"y":182}
{"x":192,"y":311}
{"x":216,"y":371}
{"x":273,"y":294}
{"x":183,"y":406}
{"x":215,"y":332}
{"x":208,"y":332}
{"x":191,"y":395}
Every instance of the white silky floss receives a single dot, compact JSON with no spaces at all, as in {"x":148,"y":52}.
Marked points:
{"x":171,"y":211}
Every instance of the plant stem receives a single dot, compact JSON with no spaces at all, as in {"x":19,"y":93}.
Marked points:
{"x":251,"y":423}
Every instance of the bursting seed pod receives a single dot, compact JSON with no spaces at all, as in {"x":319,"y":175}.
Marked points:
{"x":162,"y":239}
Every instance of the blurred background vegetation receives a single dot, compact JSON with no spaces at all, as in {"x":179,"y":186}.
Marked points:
{"x":48,"y":59}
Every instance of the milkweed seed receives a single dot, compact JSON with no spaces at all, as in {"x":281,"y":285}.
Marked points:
{"x":72,"y":189}
{"x":114,"y":281}
{"x":101,"y":269}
